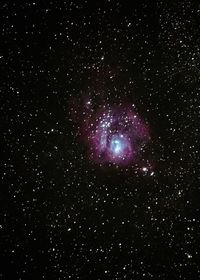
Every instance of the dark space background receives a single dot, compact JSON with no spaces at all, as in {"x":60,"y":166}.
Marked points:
{"x":62,"y":216}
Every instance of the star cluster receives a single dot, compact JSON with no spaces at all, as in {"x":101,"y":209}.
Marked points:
{"x":115,"y":135}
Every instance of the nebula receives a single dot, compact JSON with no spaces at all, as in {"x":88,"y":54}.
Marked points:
{"x":114,"y":134}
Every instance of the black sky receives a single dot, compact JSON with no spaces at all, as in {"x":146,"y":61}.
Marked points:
{"x":63,"y":216}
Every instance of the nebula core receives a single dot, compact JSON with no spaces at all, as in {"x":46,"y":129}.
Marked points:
{"x":114,"y":134}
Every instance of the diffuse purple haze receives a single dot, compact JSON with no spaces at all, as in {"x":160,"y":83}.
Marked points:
{"x":115,"y":135}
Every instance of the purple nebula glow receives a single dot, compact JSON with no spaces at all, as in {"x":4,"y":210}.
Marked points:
{"x":115,"y":135}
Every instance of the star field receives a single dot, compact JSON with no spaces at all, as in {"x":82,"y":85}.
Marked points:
{"x":100,"y":140}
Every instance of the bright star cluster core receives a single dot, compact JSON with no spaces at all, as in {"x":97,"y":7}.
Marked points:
{"x":115,"y":135}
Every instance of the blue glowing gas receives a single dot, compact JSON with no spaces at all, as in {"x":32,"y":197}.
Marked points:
{"x":117,"y":145}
